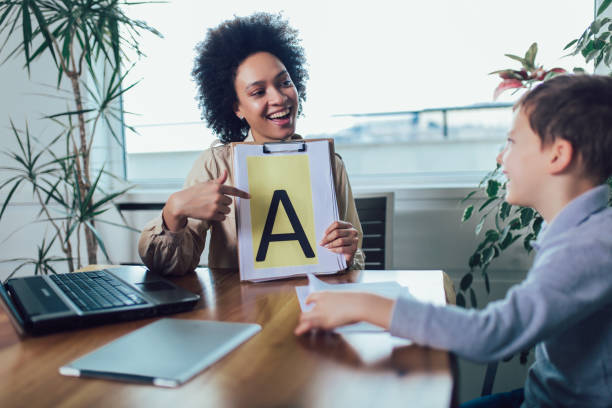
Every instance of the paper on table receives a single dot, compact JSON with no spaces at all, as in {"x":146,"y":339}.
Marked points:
{"x":425,"y":286}
{"x":387,"y":289}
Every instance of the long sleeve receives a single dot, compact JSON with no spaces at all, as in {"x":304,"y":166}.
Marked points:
{"x":567,"y":294}
{"x":347,"y":209}
{"x":172,"y":253}
{"x":176,"y":253}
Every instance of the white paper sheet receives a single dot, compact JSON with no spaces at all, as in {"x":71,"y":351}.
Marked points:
{"x":426,"y":286}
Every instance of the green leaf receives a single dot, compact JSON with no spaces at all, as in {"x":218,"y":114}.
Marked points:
{"x":507,"y":240}
{"x":466,"y":281}
{"x":486,"y":203}
{"x":516,"y":58}
{"x":467,"y":213}
{"x":527,"y":215}
{"x":70,"y":231}
{"x":492,"y":188}
{"x":26,"y":26}
{"x":570,"y":44}
{"x":491,"y":235}
{"x":77,"y":112}
{"x":603,"y":6}
{"x":460,"y":299}
{"x":480,"y":224}
{"x":527,"y":242}
{"x":473,"y":298}
{"x":531,"y":54}
{"x":98,"y":239}
{"x":44,"y":28}
{"x":515,"y":224}
{"x":8,"y":198}
{"x":595,"y":54}
{"x":487,"y":255}
{"x":474,"y":260}
{"x":7,"y":11}
{"x":504,"y":210}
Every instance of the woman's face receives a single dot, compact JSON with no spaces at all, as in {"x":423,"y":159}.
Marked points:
{"x":267,"y":98}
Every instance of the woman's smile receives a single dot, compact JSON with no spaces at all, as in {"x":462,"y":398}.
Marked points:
{"x":267,"y":98}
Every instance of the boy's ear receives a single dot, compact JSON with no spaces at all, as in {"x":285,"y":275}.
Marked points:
{"x":561,"y":155}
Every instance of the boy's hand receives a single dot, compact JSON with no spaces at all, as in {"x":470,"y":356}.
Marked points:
{"x":342,"y":238}
{"x":333,"y":309}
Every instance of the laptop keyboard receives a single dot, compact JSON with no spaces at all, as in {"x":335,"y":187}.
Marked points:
{"x":96,"y":290}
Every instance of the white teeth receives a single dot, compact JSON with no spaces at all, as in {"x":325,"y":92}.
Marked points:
{"x":279,"y":114}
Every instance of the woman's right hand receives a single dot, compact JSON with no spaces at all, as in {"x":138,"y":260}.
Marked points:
{"x":205,"y":201}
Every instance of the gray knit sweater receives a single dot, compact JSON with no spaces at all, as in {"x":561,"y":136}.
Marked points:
{"x":564,"y":307}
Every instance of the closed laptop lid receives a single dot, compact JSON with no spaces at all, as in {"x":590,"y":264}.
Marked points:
{"x":167,"y":352}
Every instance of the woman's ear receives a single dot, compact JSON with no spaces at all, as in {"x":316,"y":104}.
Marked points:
{"x":238,"y":112}
{"x":561,"y":156}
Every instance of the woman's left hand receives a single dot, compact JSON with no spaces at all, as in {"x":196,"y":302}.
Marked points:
{"x":342,"y":238}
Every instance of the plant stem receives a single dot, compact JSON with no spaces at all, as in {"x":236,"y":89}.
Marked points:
{"x":79,"y":246}
{"x":83,"y":178}
{"x":65,"y":248}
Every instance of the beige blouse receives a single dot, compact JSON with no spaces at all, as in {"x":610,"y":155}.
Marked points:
{"x":179,"y":252}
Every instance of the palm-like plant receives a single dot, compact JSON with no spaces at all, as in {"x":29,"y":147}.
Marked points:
{"x":80,"y":36}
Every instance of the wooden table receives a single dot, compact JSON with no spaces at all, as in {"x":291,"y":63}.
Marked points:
{"x":273,"y":369}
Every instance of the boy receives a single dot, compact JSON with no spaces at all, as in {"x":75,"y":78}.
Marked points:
{"x":557,"y":157}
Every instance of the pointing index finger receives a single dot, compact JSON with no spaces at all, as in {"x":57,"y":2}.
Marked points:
{"x":233,"y":191}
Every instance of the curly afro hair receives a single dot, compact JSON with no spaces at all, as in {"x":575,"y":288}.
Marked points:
{"x":224,"y":49}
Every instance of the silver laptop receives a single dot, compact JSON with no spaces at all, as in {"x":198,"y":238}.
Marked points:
{"x":50,"y":303}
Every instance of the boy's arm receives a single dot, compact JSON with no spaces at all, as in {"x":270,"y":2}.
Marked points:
{"x":568,"y":283}
{"x":571,"y":281}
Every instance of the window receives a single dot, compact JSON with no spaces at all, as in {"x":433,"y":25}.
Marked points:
{"x":364,"y":58}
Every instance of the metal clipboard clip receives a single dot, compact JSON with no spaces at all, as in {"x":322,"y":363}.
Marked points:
{"x":284,"y":147}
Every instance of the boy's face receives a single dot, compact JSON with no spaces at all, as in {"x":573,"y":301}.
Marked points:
{"x":523,"y":161}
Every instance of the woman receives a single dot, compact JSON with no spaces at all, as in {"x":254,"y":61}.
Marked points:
{"x":251,"y":79}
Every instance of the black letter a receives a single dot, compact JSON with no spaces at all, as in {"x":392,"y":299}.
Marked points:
{"x":298,"y":232}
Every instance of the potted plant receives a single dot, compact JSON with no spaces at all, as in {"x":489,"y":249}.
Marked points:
{"x":87,"y":40}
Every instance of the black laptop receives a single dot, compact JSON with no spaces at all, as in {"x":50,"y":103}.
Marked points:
{"x":50,"y":303}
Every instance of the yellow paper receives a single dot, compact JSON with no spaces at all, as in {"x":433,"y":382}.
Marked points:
{"x":291,"y":174}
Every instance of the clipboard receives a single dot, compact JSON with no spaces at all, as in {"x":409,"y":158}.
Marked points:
{"x":293,"y":201}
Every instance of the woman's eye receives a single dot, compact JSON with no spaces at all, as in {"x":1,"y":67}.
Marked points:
{"x":287,"y":82}
{"x":258,"y":92}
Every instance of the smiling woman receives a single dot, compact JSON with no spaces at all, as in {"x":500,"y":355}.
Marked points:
{"x":267,"y":98}
{"x":250,"y":75}
{"x":240,"y":66}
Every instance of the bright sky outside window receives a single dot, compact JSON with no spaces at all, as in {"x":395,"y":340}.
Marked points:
{"x":363,"y":57}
